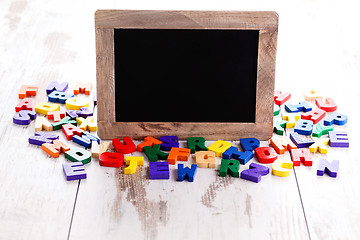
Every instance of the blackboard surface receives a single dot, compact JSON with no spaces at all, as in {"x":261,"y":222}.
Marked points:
{"x":185,"y":75}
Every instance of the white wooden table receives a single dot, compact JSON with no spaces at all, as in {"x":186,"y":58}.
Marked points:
{"x":40,"y":42}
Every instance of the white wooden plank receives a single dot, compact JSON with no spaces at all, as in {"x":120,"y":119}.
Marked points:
{"x":36,"y":200}
{"x":325,"y":59}
{"x":211,"y":207}
{"x":330,"y":203}
{"x":35,"y":194}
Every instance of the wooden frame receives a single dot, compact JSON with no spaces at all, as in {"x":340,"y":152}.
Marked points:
{"x":108,"y":20}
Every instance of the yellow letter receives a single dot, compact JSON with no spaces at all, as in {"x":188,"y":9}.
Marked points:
{"x":281,"y":167}
{"x":76,"y":103}
{"x":87,"y":123}
{"x":219,"y":147}
{"x":133,"y":162}
{"x":45,"y":107}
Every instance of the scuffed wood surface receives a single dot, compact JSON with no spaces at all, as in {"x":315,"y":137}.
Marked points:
{"x":212,"y":207}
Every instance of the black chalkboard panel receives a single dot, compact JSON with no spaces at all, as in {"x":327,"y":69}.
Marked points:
{"x":185,"y":75}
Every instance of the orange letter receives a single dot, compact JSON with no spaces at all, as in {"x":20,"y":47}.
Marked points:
{"x":181,"y":154}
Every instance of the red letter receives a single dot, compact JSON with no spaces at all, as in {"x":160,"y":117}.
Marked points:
{"x":281,"y":97}
{"x":315,"y":115}
{"x":265,"y":154}
{"x":25,"y":104}
{"x":70,"y":130}
{"x":128,"y":146}
{"x":301,"y":155}
{"x":111,"y":159}
{"x":328,"y":105}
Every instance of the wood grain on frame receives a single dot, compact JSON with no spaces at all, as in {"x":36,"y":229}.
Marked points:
{"x":107,"y":20}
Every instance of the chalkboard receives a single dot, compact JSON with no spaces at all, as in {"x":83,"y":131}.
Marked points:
{"x":185,"y":73}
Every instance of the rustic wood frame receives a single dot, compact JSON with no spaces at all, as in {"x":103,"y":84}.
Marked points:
{"x":108,"y":20}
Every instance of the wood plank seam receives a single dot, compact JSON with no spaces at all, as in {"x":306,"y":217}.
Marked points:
{"x":297,"y":184}
{"x":94,"y":109}
{"x":73,"y":211}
